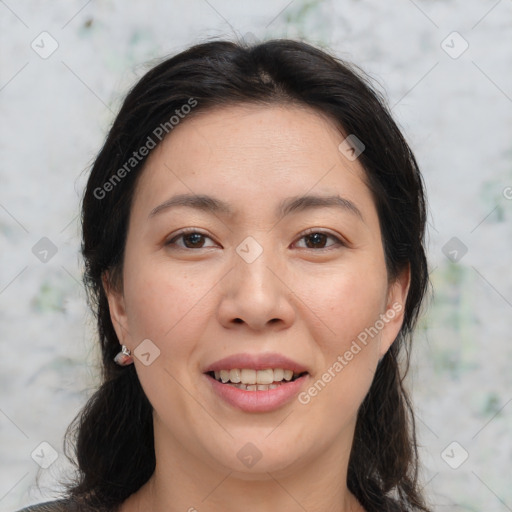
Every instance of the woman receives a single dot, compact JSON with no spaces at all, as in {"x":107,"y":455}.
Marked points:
{"x":253,"y":238}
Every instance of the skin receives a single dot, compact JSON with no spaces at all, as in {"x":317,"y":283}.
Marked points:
{"x":198,"y":301}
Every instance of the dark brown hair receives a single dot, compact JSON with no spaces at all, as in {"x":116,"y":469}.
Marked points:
{"x":112,"y":437}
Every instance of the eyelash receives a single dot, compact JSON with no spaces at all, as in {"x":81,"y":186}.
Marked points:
{"x":311,"y":231}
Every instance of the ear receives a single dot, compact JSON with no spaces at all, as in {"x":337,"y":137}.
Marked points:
{"x":116,"y":305}
{"x":393,"y":317}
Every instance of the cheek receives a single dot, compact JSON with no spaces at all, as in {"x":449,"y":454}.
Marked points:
{"x":349,"y":305}
{"x":169,"y":307}
{"x":347,"y":302}
{"x":163,"y":303}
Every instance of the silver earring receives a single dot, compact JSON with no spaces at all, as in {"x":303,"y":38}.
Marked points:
{"x":124,"y":358}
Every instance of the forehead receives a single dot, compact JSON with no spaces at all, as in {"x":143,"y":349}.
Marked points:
{"x":251,"y":151}
{"x":254,"y":132}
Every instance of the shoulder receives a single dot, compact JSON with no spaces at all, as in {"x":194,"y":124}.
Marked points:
{"x":48,"y":506}
{"x":62,"y":505}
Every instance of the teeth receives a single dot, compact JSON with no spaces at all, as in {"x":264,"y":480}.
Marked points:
{"x":278,"y":374}
{"x":247,"y":378}
{"x":234,"y":375}
{"x":255,"y":387}
{"x":265,"y":376}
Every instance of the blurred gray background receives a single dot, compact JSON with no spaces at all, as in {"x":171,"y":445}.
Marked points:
{"x":445,"y":67}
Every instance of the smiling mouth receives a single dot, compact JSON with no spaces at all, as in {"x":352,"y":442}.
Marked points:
{"x":249,"y":379}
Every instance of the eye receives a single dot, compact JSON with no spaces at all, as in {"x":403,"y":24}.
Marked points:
{"x":192,"y":238}
{"x":317,"y":239}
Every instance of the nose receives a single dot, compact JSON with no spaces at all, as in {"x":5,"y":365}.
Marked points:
{"x":256,"y":294}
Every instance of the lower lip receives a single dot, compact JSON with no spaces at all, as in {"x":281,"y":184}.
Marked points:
{"x":257,"y":401}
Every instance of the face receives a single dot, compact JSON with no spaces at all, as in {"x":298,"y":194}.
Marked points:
{"x":280,"y":267}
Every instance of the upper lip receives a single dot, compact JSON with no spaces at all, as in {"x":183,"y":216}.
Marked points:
{"x":256,"y":362}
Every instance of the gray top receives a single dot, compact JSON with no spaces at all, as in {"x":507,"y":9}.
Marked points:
{"x":48,"y":506}
{"x":62,"y":505}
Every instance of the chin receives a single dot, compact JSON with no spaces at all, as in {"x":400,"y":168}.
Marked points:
{"x":253,"y":461}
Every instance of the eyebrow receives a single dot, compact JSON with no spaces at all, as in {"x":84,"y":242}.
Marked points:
{"x":290,"y":205}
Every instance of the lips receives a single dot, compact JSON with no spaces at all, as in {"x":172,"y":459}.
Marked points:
{"x":256,"y":398}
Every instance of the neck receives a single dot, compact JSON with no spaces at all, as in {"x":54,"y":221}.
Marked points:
{"x":182,"y":481}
